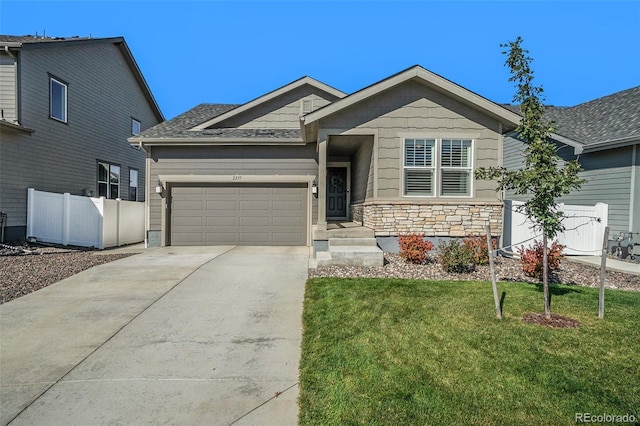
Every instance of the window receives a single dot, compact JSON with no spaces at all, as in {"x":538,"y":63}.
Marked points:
{"x":453,"y":167}
{"x":58,"y":100}
{"x":108,"y":180}
{"x":135,"y":127}
{"x":133,"y":185}
{"x":419,"y":167}
{"x":455,"y":163}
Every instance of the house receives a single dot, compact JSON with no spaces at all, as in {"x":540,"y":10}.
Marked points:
{"x":604,"y":135}
{"x":295,"y":166}
{"x":67,"y":107}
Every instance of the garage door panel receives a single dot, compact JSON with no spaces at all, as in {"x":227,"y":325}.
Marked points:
{"x":256,"y":214}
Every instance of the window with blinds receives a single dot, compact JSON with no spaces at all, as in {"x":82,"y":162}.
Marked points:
{"x":419,"y":167}
{"x":453,"y":167}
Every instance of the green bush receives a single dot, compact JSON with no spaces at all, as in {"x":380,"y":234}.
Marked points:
{"x":456,"y":257}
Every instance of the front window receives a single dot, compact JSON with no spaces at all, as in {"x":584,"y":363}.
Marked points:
{"x":419,"y":167}
{"x":455,"y":163}
{"x":108,"y":180}
{"x":58,"y":100}
{"x":133,"y":185}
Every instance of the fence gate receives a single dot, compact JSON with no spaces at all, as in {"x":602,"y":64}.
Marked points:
{"x":584,"y":228}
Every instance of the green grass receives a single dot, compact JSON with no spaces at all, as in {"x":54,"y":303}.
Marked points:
{"x":400,"y":352}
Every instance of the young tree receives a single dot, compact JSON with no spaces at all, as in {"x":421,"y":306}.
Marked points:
{"x":542,"y":178}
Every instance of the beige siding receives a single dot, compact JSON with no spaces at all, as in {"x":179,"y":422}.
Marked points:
{"x":226,"y":160}
{"x":8,"y":86}
{"x":103,"y":95}
{"x":413,"y":108}
{"x":282,"y":112}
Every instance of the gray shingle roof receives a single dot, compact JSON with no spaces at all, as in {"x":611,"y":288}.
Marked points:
{"x":179,"y":126}
{"x":611,"y":117}
{"x":37,"y":39}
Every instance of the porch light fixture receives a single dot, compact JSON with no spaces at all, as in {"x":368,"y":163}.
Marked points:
{"x":159,"y":188}
{"x":314,"y":189}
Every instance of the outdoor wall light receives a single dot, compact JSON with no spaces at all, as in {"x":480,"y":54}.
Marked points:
{"x":159,"y":188}
{"x":314,"y":189}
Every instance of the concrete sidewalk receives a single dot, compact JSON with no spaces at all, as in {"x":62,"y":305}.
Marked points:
{"x":194,"y":335}
{"x":612,"y":264}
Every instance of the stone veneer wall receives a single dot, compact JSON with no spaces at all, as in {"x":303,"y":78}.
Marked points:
{"x":439,"y":219}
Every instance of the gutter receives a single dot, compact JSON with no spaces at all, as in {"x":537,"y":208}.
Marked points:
{"x":613,"y":143}
{"x":214,"y":141}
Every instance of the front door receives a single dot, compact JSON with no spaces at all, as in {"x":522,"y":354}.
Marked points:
{"x":336,"y":193}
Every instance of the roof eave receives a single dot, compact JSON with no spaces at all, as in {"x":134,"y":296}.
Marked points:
{"x":213,"y":141}
{"x":613,"y":143}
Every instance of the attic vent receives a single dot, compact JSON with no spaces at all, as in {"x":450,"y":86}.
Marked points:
{"x":264,"y":132}
{"x":306,"y":106}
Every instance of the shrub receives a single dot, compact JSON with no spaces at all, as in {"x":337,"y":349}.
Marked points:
{"x":414,"y":249}
{"x":478,"y":246}
{"x":531,"y":258}
{"x":456,"y":257}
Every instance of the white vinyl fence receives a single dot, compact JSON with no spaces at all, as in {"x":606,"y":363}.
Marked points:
{"x":584,"y":228}
{"x":83,"y":221}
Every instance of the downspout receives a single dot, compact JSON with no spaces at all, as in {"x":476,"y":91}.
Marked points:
{"x":8,"y":52}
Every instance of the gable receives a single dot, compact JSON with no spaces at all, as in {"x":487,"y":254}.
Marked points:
{"x":280,"y":112}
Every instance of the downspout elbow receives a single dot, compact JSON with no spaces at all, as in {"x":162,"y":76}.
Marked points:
{"x":8,"y":52}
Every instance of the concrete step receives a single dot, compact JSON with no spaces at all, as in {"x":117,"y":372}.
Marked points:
{"x":335,"y":242}
{"x":323,"y":258}
{"x":355,"y":256}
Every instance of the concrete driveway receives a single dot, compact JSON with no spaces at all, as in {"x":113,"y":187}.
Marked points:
{"x":178,"y":335}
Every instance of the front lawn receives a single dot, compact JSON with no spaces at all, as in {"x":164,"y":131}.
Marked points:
{"x":400,"y":352}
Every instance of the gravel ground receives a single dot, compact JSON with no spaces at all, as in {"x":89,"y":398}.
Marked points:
{"x":506,"y":270}
{"x":22,"y":273}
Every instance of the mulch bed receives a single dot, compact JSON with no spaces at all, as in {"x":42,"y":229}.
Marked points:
{"x":555,"y":321}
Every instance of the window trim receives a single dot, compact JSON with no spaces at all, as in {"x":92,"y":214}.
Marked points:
{"x":437,"y":168}
{"x":469,"y":168}
{"x":135,"y":120}
{"x":434,"y":168}
{"x":133,"y":169}
{"x":65,"y":85}
{"x":108,"y":182}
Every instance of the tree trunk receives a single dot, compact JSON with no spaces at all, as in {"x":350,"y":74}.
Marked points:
{"x":545,"y":277}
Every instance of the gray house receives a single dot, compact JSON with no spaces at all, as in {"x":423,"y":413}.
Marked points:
{"x":604,"y":134}
{"x":299,"y":165}
{"x":67,"y":107}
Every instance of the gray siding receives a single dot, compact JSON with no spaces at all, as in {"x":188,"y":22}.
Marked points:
{"x":416,"y":109}
{"x":8,"y":86}
{"x":282,"y":112}
{"x":228,"y":160}
{"x":608,"y":177}
{"x":103,"y":95}
{"x":362,"y":173}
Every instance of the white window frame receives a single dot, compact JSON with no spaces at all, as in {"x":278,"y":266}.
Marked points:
{"x":437,"y":166}
{"x":433,"y":168}
{"x":468,"y":168}
{"x":110,"y":169}
{"x":135,"y":123}
{"x":57,"y":81}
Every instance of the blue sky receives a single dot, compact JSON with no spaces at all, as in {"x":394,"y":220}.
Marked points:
{"x":192,"y":52}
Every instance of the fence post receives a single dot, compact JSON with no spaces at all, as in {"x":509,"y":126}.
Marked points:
{"x":603,"y":271}
{"x":100,"y":205}
{"x":118,"y":207}
{"x":30,"y":210}
{"x":66,"y":217}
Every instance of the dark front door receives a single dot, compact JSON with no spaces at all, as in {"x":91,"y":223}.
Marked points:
{"x":336,"y":192}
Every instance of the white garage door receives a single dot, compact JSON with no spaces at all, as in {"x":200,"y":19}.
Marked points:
{"x":240,"y":214}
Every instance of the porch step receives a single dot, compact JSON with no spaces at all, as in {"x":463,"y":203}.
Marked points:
{"x":351,"y":252}
{"x":335,"y":242}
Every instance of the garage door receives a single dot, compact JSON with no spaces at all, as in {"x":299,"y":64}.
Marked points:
{"x":241,"y":214}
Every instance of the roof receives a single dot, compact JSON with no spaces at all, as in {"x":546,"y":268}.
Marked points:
{"x":429,"y":78}
{"x":602,"y":122}
{"x":37,"y":42}
{"x":180,"y":128}
{"x":271,"y":95}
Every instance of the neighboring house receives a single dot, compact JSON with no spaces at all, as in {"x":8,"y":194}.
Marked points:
{"x":604,"y":135}
{"x":397,"y":156}
{"x":68,"y":106}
